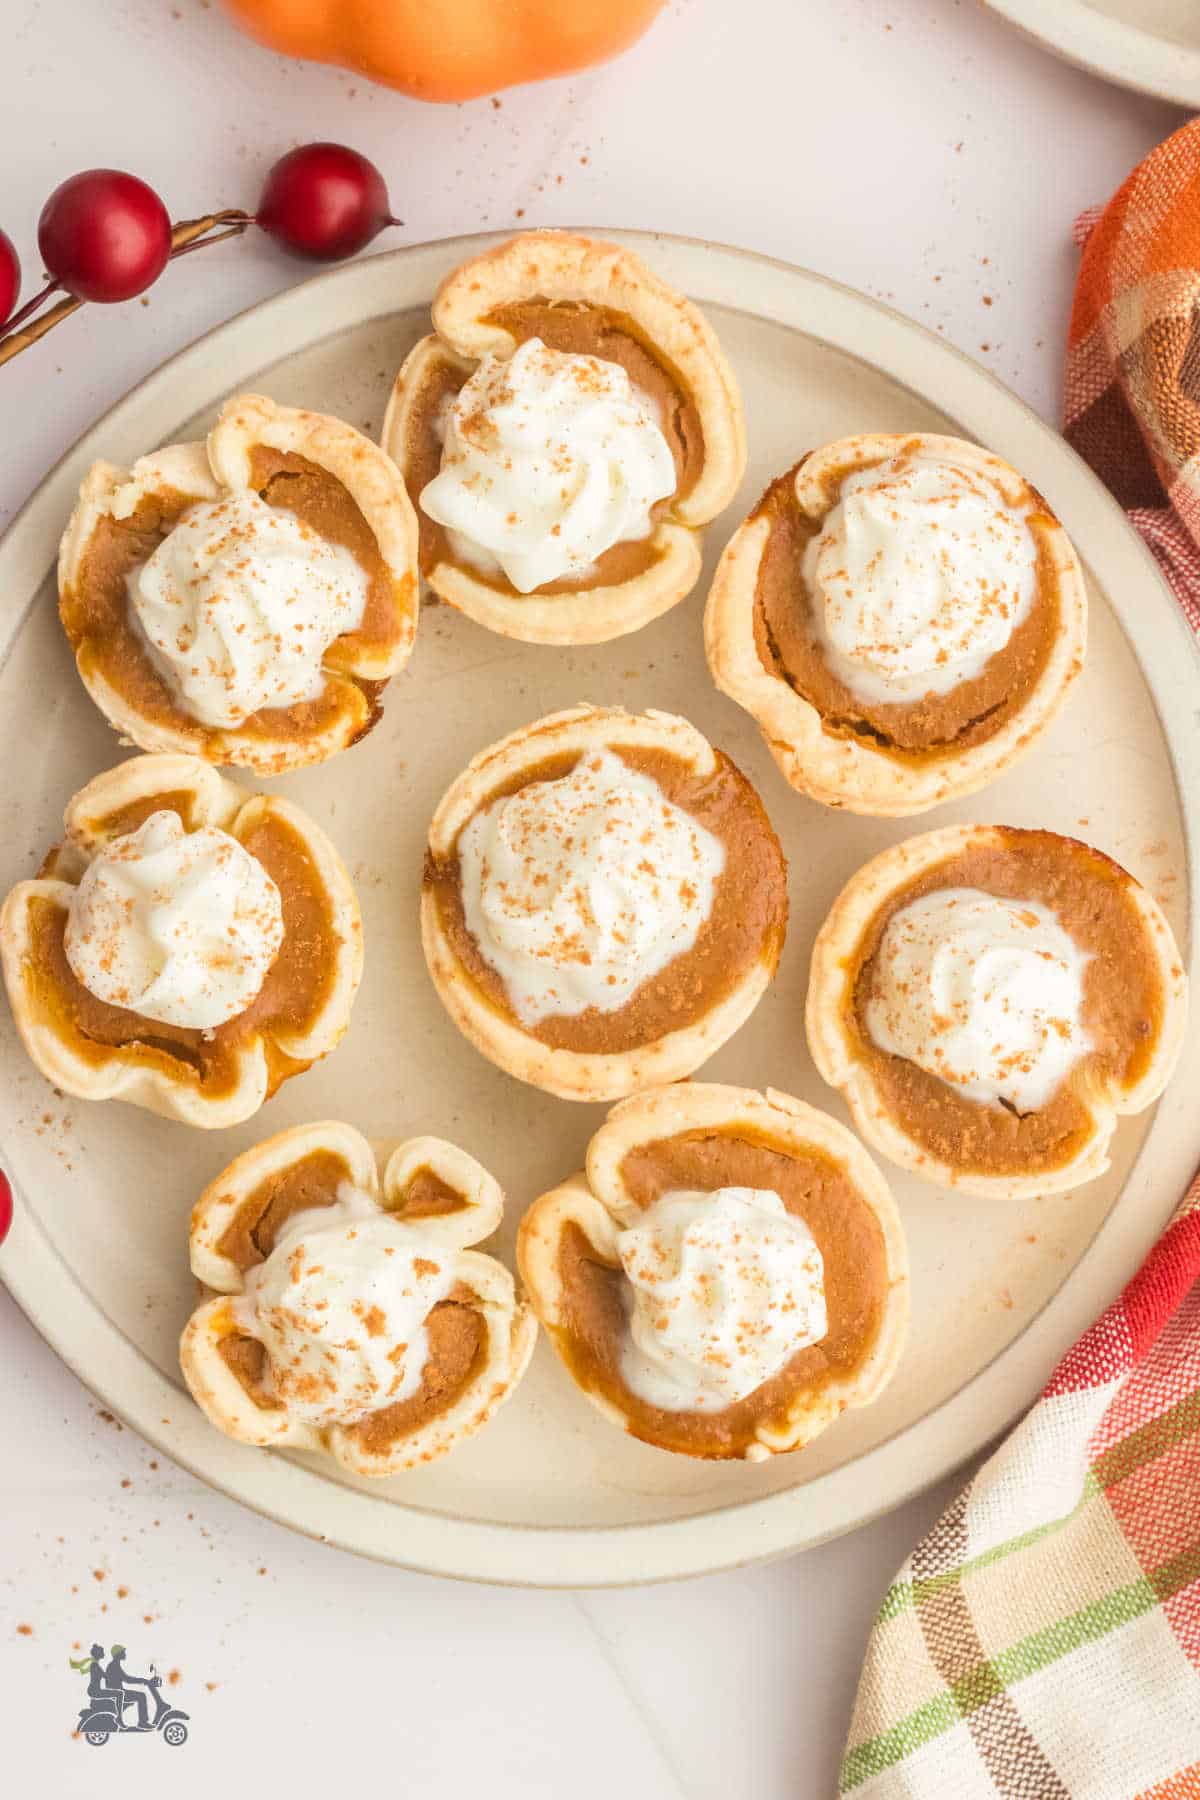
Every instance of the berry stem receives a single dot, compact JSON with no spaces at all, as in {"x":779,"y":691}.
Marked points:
{"x":187,"y":235}
{"x":15,"y":341}
{"x":30,"y":307}
{"x":218,"y":237}
{"x":194,"y":234}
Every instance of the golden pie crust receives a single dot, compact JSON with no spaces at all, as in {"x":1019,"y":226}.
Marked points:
{"x":481,"y":1336}
{"x":577,"y":294}
{"x":338,"y":482}
{"x":705,"y":1136}
{"x":213,"y":1079}
{"x":891,"y":761}
{"x":1135,"y":1003}
{"x":676,"y":1020}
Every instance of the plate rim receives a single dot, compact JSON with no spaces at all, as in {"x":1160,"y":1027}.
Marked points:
{"x":1114,"y":49}
{"x":747,"y":1530}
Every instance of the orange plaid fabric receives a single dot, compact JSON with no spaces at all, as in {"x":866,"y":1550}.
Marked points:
{"x":1133,"y":355}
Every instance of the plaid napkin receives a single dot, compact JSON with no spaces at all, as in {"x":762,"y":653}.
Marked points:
{"x":1133,"y":355}
{"x":1043,"y":1641}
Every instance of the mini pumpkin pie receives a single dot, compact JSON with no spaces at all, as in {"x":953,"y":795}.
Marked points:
{"x":604,"y":901}
{"x":903,"y":617}
{"x":565,"y":434}
{"x":726,"y":1276}
{"x":244,"y":598}
{"x":989,"y":1000}
{"x":187,"y":947}
{"x":348,"y":1312}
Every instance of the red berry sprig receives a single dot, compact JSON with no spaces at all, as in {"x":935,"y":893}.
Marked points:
{"x":105,"y":236}
{"x":324,"y":202}
{"x":10,"y":275}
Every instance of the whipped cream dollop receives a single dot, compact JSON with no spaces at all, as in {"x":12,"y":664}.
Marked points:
{"x":549,"y":459}
{"x":180,"y":926}
{"x":919,"y":575}
{"x":340,"y":1306}
{"x":239,"y":603}
{"x":985,"y":993}
{"x":578,"y":890}
{"x":724,"y":1289}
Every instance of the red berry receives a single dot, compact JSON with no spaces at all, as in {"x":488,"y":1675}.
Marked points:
{"x":6,"y":1199}
{"x":324,"y":201}
{"x":104,"y":235}
{"x":10,"y":277}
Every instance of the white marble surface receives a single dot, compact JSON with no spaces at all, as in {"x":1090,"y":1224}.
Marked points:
{"x":914,"y":148}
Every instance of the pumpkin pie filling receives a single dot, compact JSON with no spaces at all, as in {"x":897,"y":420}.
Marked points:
{"x":1122,"y":1010}
{"x":578,"y":329}
{"x":124,"y":819}
{"x":814,"y":1188}
{"x":427,"y":1196}
{"x":457,"y":1346}
{"x":99,"y":622}
{"x":744,"y":927}
{"x":314,"y":1181}
{"x":296,"y":986}
{"x":789,"y":644}
{"x":457,"y":1339}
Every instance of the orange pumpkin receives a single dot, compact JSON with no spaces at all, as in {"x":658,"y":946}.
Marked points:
{"x":448,"y":49}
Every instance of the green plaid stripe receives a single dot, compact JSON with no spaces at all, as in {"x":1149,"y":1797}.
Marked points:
{"x":890,"y":1747}
{"x":1163,"y":1433}
{"x":903,"y":1594}
{"x":999,"y":1673}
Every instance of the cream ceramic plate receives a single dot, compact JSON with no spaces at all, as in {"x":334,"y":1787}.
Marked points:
{"x":550,"y":1493}
{"x":1151,"y":45}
